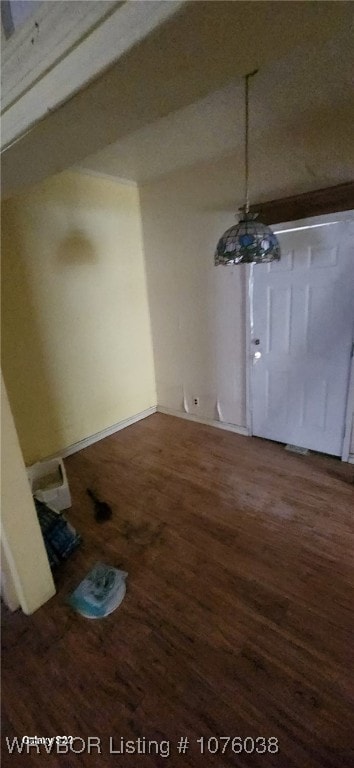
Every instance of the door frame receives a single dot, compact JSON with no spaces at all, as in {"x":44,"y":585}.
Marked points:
{"x":311,"y":221}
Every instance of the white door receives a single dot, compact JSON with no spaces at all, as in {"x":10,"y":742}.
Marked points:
{"x":302,"y":319}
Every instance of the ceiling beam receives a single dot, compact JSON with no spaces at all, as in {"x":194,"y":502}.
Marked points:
{"x":316,"y":203}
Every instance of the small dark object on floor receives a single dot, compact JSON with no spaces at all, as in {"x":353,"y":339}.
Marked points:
{"x":103,"y":511}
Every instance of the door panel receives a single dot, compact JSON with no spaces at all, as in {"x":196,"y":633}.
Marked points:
{"x":303,"y":317}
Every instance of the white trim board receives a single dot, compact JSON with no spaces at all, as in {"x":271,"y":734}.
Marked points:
{"x":209,"y":422}
{"x":348,"y":430}
{"x":247,"y":289}
{"x":87,"y":441}
{"x":109,"y":40}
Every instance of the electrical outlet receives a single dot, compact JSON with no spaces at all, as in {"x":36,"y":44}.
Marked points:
{"x":196,"y":400}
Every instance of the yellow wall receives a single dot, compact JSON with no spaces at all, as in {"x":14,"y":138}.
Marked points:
{"x":29,"y":581}
{"x":197,"y":311}
{"x":76,"y":340}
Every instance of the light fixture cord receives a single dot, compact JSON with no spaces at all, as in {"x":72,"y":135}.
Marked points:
{"x":247,"y":194}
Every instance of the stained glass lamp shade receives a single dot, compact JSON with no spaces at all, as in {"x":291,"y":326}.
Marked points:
{"x":248,"y":242}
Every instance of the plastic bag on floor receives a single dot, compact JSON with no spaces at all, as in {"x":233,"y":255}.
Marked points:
{"x":60,"y":538}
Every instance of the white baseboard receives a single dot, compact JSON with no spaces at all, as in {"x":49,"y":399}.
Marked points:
{"x":143,"y":415}
{"x":100,"y":435}
{"x":137,"y":417}
{"x":210,"y":422}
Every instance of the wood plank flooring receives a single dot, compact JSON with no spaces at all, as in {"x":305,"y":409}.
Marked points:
{"x":239,"y":613}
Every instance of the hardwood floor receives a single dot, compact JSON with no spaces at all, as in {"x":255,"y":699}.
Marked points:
{"x":238,"y":618}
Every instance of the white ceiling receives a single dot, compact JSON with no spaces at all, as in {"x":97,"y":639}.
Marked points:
{"x":309,"y":81}
{"x":169,"y":103}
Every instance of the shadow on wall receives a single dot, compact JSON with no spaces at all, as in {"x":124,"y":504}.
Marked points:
{"x":76,"y":248}
{"x":23,"y":356}
{"x":76,"y":340}
{"x":32,"y":318}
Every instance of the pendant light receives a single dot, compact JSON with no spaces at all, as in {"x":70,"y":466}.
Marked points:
{"x":249,"y":241}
